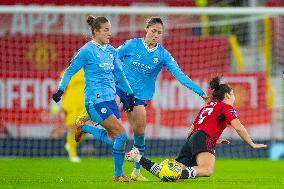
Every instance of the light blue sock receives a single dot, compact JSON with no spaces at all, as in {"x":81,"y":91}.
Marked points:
{"x":100,"y":134}
{"x":118,"y":151}
{"x":139,"y":142}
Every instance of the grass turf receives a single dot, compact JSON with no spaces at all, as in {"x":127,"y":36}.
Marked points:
{"x":35,"y":173}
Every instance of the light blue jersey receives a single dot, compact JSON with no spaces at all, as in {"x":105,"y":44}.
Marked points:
{"x":141,"y":66}
{"x":101,"y":68}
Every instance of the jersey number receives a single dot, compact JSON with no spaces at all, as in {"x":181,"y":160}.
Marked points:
{"x":204,"y":113}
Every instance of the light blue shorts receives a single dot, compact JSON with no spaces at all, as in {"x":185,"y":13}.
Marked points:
{"x":101,"y":111}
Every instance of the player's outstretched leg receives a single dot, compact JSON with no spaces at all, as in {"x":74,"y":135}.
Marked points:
{"x":188,"y":173}
{"x":139,"y":143}
{"x":204,"y":168}
{"x":135,"y":156}
{"x":100,"y":134}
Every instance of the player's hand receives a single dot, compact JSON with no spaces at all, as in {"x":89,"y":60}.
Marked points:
{"x":57,"y":96}
{"x":131,"y":101}
{"x":255,"y":146}
{"x":206,"y":98}
{"x":222,"y":141}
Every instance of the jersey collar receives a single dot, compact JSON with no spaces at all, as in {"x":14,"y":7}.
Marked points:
{"x":147,"y":48}
{"x":103,"y":47}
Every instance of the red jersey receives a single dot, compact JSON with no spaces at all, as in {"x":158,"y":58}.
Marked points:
{"x":214,"y":118}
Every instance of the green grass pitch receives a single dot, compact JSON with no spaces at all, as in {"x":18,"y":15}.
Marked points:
{"x":94,"y":173}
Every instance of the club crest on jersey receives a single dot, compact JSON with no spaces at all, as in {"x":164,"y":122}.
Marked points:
{"x":104,"y":110}
{"x":233,"y":112}
{"x":155,"y":60}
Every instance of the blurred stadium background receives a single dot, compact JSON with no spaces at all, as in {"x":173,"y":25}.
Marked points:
{"x":245,"y":48}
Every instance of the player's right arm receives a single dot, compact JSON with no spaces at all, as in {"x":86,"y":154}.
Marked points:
{"x":190,"y":130}
{"x":242,"y":132}
{"x":76,"y":64}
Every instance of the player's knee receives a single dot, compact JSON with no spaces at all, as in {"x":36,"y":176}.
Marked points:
{"x":118,"y":130}
{"x":139,"y":127}
{"x":110,"y":136}
{"x":207,"y":172}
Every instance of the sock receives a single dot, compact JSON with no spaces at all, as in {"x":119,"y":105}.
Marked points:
{"x":72,"y":145}
{"x":100,"y":134}
{"x":139,"y":143}
{"x":150,"y":166}
{"x":118,"y":151}
{"x":188,"y":173}
{"x":137,"y":159}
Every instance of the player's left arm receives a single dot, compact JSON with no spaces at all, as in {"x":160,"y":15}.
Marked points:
{"x":121,"y":78}
{"x":173,"y":67}
{"x":231,"y":115}
{"x":242,"y":132}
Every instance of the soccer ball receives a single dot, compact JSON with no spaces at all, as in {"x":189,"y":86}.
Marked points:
{"x":170,"y":170}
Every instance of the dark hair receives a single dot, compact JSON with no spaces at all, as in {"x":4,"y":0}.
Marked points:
{"x":152,"y":21}
{"x":95,"y":23}
{"x":219,"y":90}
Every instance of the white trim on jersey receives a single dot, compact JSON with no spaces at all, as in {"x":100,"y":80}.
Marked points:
{"x":147,"y":48}
{"x":103,"y":47}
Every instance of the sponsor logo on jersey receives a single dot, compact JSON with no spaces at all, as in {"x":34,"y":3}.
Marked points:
{"x":142,"y":67}
{"x":108,"y":67}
